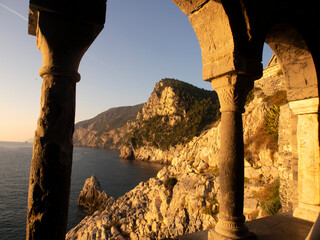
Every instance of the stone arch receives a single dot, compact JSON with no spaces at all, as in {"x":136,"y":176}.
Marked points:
{"x":231,"y":37}
{"x":231,"y":64}
{"x":296,"y":61}
{"x":227,"y":40}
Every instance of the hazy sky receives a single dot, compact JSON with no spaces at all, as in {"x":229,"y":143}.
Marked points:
{"x":142,"y":42}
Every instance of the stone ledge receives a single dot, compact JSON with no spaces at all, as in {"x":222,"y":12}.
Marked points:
{"x":305,"y":106}
{"x":281,"y":226}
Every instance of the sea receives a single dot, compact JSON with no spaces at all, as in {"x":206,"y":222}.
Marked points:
{"x":115,"y":175}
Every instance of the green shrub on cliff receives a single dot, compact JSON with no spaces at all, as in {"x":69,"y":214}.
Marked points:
{"x":270,"y":198}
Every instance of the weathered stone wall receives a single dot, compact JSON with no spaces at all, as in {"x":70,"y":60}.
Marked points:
{"x":286,"y":160}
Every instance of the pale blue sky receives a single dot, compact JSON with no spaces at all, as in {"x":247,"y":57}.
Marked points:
{"x":143,"y":41}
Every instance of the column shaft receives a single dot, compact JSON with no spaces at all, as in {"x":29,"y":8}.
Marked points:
{"x":231,"y":172}
{"x":51,"y":164}
{"x":62,"y":41}
{"x":232,"y":91}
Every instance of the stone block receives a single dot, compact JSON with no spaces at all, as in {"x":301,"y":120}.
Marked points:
{"x":265,"y":156}
{"x":309,"y":158}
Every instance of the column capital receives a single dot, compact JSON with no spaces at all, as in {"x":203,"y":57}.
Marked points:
{"x":63,"y":42}
{"x":232,"y":90}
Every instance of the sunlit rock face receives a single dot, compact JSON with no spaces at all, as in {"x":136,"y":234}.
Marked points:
{"x":92,"y":197}
{"x":161,"y":102}
{"x":175,"y":113}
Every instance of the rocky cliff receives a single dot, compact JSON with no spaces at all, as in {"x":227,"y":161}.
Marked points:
{"x":174,"y":114}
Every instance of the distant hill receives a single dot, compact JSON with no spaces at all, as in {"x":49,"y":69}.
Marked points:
{"x":106,"y":129}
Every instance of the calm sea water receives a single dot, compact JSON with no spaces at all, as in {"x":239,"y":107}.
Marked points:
{"x":116,"y":177}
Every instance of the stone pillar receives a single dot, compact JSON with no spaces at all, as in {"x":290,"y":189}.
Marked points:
{"x":309,"y":158}
{"x":62,"y":43}
{"x":232,"y":91}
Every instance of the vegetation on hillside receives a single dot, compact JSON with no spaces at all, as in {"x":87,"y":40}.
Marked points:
{"x":197,"y":109}
{"x":111,"y":119}
{"x":271,"y":123}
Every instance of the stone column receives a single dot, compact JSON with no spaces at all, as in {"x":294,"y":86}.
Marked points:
{"x":232,"y":91}
{"x":309,"y":158}
{"x":62,"y":43}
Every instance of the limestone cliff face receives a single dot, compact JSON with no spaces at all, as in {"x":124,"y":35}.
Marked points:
{"x":89,"y":137}
{"x":162,"y":101}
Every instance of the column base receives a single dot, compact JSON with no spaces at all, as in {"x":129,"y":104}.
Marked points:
{"x":231,"y":230}
{"x":307,"y":212}
{"x":213,"y":235}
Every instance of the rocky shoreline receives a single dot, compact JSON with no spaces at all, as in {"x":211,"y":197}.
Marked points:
{"x":169,"y":205}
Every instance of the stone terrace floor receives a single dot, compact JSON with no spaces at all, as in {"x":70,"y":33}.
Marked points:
{"x":279,"y":227}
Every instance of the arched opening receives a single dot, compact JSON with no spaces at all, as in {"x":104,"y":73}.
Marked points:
{"x":300,"y":188}
{"x":267,"y":54}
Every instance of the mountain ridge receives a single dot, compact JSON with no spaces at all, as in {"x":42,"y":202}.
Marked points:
{"x":106,"y":129}
{"x":174,"y":113}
